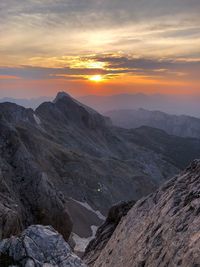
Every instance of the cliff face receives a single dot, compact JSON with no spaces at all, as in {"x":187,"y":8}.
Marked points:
{"x":162,"y":229}
{"x":27,"y":195}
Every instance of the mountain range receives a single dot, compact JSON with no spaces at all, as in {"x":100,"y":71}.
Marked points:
{"x":172,"y":104}
{"x":64,"y":165}
{"x":182,"y":125}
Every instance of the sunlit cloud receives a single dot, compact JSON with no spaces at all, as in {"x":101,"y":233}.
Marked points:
{"x":111,"y":41}
{"x":107,"y":66}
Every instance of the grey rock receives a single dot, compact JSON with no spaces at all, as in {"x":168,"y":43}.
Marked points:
{"x":27,"y":195}
{"x":13,"y":113}
{"x":10,"y":212}
{"x":104,"y":232}
{"x":161,"y":229}
{"x":38,"y":246}
{"x":28,"y":103}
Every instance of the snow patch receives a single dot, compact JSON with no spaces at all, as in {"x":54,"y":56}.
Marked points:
{"x":88,"y":207}
{"x":37,"y":119}
{"x":82,"y":243}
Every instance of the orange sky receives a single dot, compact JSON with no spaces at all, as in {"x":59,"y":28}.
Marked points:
{"x":99,"y":47}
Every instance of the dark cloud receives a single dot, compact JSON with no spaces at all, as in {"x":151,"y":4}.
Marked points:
{"x":116,"y":65}
{"x":131,"y":63}
{"x":39,"y":73}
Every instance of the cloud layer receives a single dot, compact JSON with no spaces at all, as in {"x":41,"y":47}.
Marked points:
{"x":45,"y":39}
{"x":112,"y":65}
{"x":54,"y":27}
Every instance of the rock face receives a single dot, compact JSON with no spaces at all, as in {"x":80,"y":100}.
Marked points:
{"x":64,"y":150}
{"x":105,"y":231}
{"x":184,"y":126}
{"x":38,"y":246}
{"x":162,"y":229}
{"x":27,"y":195}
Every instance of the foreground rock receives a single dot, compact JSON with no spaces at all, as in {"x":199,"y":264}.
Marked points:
{"x":38,"y":246}
{"x":105,"y":232}
{"x":160,"y":230}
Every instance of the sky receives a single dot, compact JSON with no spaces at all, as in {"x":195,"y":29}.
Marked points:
{"x":99,"y":47}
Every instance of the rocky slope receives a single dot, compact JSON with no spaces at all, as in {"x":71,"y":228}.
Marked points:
{"x":162,"y":229}
{"x":65,"y":162}
{"x":26,"y":193}
{"x":37,"y":246}
{"x":106,"y":230}
{"x":184,"y":126}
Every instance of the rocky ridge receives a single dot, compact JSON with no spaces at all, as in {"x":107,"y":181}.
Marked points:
{"x":105,"y":231}
{"x":162,"y":229}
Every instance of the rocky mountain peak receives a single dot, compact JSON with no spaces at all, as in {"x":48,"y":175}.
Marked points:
{"x":61,"y":95}
{"x":68,"y":110}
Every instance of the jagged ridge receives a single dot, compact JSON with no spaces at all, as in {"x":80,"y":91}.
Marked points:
{"x":161,"y":229}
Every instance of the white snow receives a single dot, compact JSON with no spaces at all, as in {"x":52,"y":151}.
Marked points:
{"x":88,"y":207}
{"x":37,"y":119}
{"x":82,"y":243}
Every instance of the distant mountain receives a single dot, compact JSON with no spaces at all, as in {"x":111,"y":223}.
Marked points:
{"x":27,"y":103}
{"x":184,"y":126}
{"x":159,"y":230}
{"x":64,"y":164}
{"x":172,"y":104}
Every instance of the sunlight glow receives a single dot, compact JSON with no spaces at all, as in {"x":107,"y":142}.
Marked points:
{"x":88,"y":64}
{"x":96,"y":78}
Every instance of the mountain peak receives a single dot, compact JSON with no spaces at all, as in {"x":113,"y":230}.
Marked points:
{"x":67,"y":109}
{"x":60,"y":95}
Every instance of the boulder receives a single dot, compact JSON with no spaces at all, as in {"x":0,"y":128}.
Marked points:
{"x":38,"y":246}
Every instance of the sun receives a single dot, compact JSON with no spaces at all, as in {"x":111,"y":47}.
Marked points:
{"x":96,"y":78}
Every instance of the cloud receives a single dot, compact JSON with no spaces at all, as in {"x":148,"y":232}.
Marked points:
{"x":56,"y":28}
{"x":113,"y":66}
{"x":92,"y":14}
